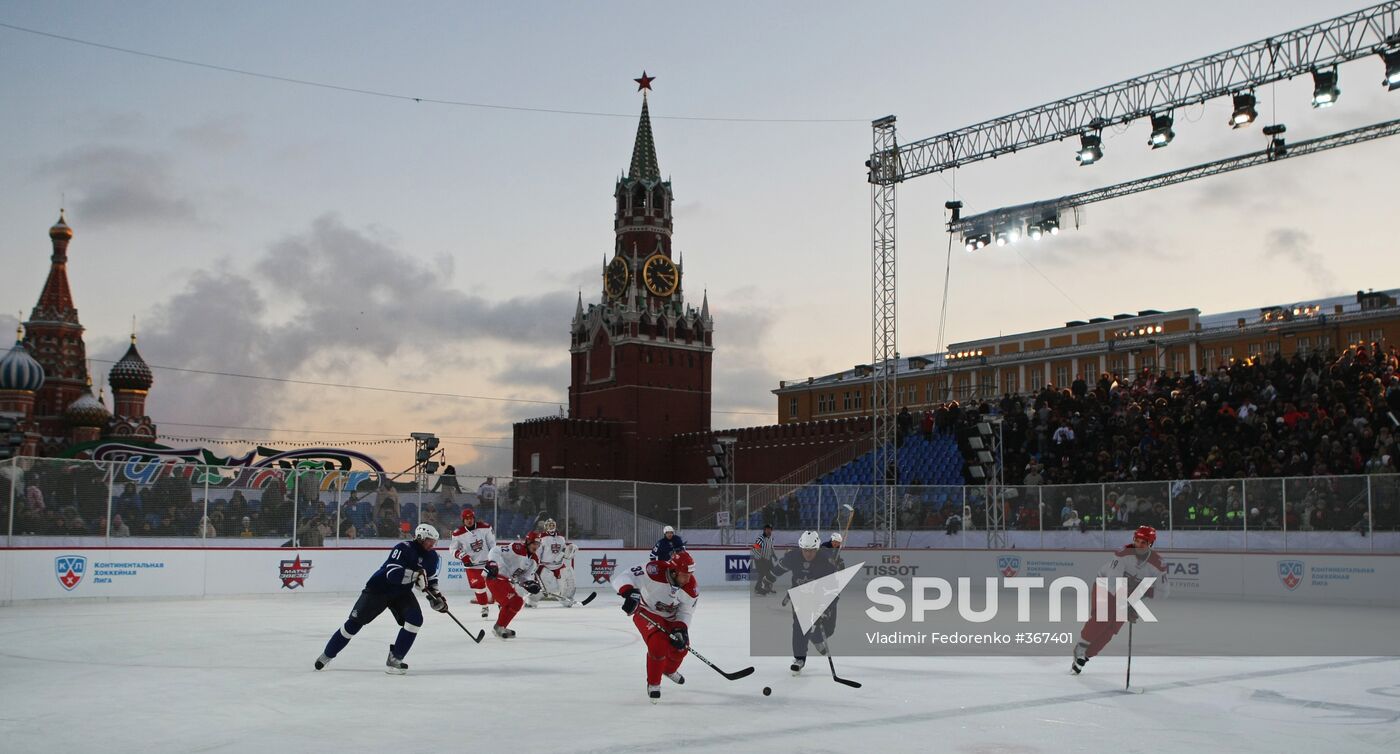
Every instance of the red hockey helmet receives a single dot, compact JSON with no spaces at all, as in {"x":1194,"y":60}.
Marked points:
{"x":468,"y":512}
{"x":1145,"y":534}
{"x":683,"y":562}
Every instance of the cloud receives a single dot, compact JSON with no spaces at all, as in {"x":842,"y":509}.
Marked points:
{"x":1296,"y":246}
{"x":119,"y":185}
{"x":214,"y":134}
{"x":334,"y":304}
{"x":547,"y":373}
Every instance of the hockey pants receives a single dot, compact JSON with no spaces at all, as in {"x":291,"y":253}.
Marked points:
{"x":404,"y":607}
{"x":661,"y":656}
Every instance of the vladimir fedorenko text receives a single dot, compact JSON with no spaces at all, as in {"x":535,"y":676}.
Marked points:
{"x":995,"y":637}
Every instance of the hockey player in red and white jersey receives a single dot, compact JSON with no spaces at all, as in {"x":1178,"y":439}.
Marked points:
{"x":660,"y":596}
{"x":1135,"y":562}
{"x":519,"y":565}
{"x":556,"y":565}
{"x":497,"y":570}
{"x":474,"y":543}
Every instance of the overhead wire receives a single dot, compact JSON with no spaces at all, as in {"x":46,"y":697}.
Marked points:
{"x":407,"y":97}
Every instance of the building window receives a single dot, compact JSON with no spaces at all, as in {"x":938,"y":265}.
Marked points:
{"x":1303,"y":344}
{"x":1210,"y":360}
{"x":928,"y":392}
{"x":1255,"y":349}
{"x":1227,"y":353}
{"x":1274,"y":346}
{"x":1178,"y":362}
{"x":1353,"y":337}
{"x":1377,"y":336}
{"x":860,"y":399}
{"x":1324,"y":342}
{"x":1061,"y":376}
{"x":792,"y":406}
{"x":846,"y":401}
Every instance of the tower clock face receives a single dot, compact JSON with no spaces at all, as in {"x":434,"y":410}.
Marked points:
{"x":615,"y":278}
{"x":660,"y":275}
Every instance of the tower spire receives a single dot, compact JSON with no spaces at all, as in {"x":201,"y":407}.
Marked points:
{"x":644,"y":166}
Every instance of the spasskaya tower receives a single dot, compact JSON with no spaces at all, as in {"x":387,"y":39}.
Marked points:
{"x":640,"y":357}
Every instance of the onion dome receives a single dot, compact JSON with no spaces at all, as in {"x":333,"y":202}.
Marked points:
{"x":60,"y":229}
{"x":19,"y":370}
{"x":132,"y":372}
{"x":87,"y":411}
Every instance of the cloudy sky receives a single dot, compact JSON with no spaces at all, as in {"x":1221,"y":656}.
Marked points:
{"x":265,"y":228}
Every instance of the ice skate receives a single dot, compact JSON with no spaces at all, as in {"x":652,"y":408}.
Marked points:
{"x":566,"y":602}
{"x":676,"y":678}
{"x":485,"y":611}
{"x":322,"y":661}
{"x":503,"y":632}
{"x":654,"y":693}
{"x":797,"y":664}
{"x":1077,"y":664}
{"x":395,"y":666}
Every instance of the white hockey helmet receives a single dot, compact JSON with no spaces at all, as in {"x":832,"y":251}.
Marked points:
{"x":426,"y":531}
{"x":549,"y":526}
{"x":836,"y":537}
{"x":809,"y":540}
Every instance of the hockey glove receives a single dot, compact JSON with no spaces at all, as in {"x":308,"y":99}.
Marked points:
{"x":436,"y":601}
{"x":492,"y":571}
{"x":630,"y":600}
{"x":680,"y":638}
{"x":531,"y":586}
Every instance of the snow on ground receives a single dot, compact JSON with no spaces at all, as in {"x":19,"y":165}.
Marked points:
{"x":236,"y":675}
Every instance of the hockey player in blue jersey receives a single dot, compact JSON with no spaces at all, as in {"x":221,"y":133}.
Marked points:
{"x":808,"y":562}
{"x":669,"y":544}
{"x":391,"y":587}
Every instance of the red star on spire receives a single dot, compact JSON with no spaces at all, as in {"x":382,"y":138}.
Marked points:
{"x":644,"y":82}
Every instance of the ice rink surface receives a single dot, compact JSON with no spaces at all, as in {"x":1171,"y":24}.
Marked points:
{"x":236,"y":675}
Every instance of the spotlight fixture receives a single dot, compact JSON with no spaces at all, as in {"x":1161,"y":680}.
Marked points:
{"x":1325,"y":91}
{"x":1162,"y":133}
{"x":1244,"y":110}
{"x":1051,"y":225}
{"x":1392,"y":69}
{"x":1013,"y":235}
{"x":970,"y":243}
{"x":1278,"y":147}
{"x":1002,"y":238}
{"x":1090,"y":149}
{"x":1034,"y":231}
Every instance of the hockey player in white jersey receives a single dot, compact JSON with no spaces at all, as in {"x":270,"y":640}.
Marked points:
{"x":1135,"y":562}
{"x":474,"y":543}
{"x":556,"y":556}
{"x":660,"y":596}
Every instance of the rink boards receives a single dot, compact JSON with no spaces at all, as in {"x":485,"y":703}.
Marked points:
{"x":81,"y":573}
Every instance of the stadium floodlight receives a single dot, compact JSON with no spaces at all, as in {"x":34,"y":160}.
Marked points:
{"x":1090,"y":149}
{"x":1392,"y":69}
{"x":1051,"y":225}
{"x":1035,"y":231}
{"x":1325,"y":91}
{"x":970,"y":243}
{"x":1162,"y":133}
{"x":1002,"y":238}
{"x":1013,"y":235}
{"x":1244,"y":113}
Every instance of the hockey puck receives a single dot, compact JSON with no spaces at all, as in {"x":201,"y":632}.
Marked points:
{"x":767,"y":691}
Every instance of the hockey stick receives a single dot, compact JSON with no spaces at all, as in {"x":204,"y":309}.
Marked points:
{"x":591,"y":596}
{"x":834,"y":677}
{"x":476,"y":637}
{"x":1128,"y":678}
{"x":736,"y":675}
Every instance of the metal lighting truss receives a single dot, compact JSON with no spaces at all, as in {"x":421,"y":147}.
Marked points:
{"x":1319,"y":46}
{"x":884,"y":357}
{"x":1008,"y":218}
